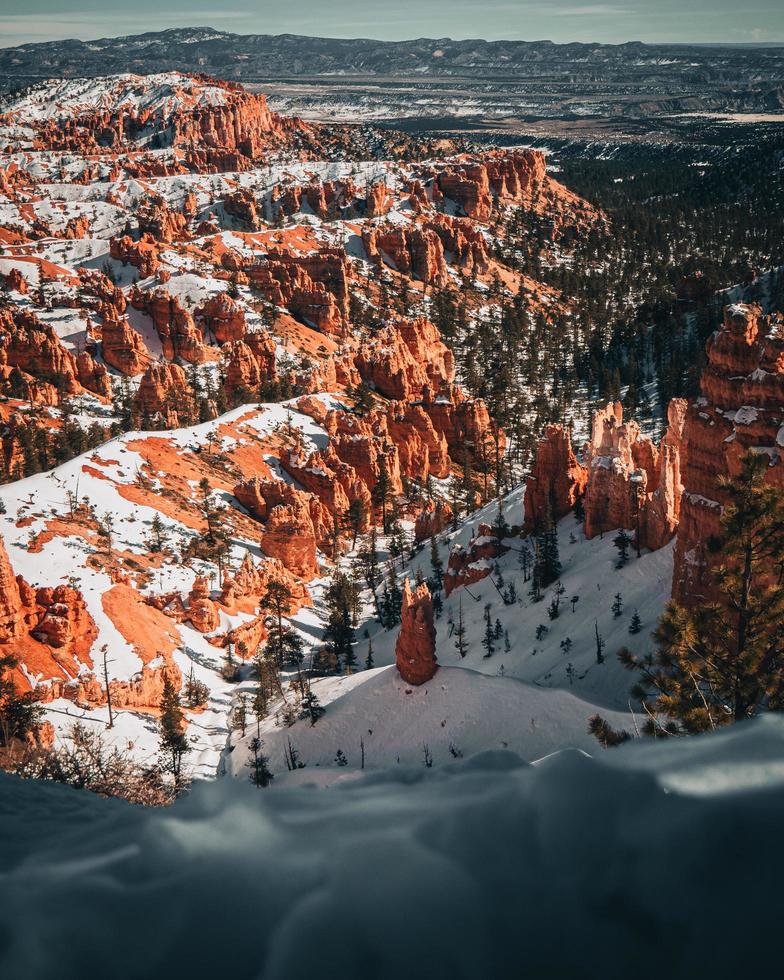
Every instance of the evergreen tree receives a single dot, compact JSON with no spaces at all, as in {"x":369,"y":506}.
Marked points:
{"x":173,"y":742}
{"x":488,"y":640}
{"x":636,"y":624}
{"x":258,"y":763}
{"x":460,"y":631}
{"x":382,"y":492}
{"x":393,"y":600}
{"x":369,"y":658}
{"x":437,"y":565}
{"x":19,"y":712}
{"x":622,"y":542}
{"x":721,"y":662}
{"x":339,"y":629}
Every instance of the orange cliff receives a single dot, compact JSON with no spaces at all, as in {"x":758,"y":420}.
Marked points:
{"x":741,"y":408}
{"x":415,"y":649}
{"x":48,"y":629}
{"x":556,"y":482}
{"x":626,"y":481}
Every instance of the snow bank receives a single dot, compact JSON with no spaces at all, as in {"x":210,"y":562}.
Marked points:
{"x":641,"y":862}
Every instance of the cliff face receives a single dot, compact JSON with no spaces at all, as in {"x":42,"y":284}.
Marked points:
{"x":218,"y":125}
{"x":415,"y":649}
{"x":48,"y":629}
{"x":557,"y":479}
{"x":504,"y":178}
{"x":741,"y":407}
{"x":627,"y":481}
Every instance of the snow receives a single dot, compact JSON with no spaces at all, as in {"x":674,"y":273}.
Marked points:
{"x":460,"y":710}
{"x":746,"y":415}
{"x":636,"y":861}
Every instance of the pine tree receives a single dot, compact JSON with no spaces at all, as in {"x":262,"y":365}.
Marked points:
{"x":173,"y":742}
{"x":460,"y":631}
{"x":636,"y":624}
{"x":339,"y":629}
{"x":719,"y":663}
{"x":311,"y":706}
{"x":393,"y":600}
{"x":488,"y":640}
{"x":382,"y":492}
{"x":622,"y":542}
{"x":437,"y":574}
{"x":19,"y":712}
{"x":158,"y":534}
{"x":604,"y":733}
{"x":600,"y":644}
{"x":356,"y":517}
{"x":258,"y":763}
{"x":369,"y":658}
{"x":617,"y":605}
{"x":550,"y":567}
{"x":369,"y":564}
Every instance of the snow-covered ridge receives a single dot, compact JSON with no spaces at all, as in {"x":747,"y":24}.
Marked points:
{"x":163,"y":93}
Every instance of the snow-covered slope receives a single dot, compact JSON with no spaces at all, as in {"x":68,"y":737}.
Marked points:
{"x":459,"y":713}
{"x":648,"y":861}
{"x":473,"y":704}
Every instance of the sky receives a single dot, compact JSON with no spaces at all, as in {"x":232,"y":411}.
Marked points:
{"x":752,"y":21}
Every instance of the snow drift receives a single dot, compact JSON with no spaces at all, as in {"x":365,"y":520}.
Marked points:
{"x":650,"y":860}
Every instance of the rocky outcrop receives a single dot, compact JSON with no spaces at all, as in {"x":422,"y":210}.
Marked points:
{"x":464,"y":244}
{"x":616,"y":482}
{"x":179,"y":335}
{"x":35,"y":350}
{"x":502,"y":178}
{"x":741,"y":408}
{"x":406,"y":361}
{"x":289,"y":535}
{"x":12,"y":613}
{"x":434,"y":518}
{"x":49,"y":629}
{"x":660,"y":510}
{"x":314,"y":286}
{"x":556,"y":481}
{"x":202,"y":611}
{"x":224,"y":317}
{"x":415,"y":649}
{"x":250,"y":363}
{"x":121,"y":346}
{"x":466,"y":425}
{"x":143,"y":255}
{"x":219,"y":126}
{"x":64,"y":622}
{"x":379,"y":200}
{"x":143,"y":691}
{"x":250,"y":582}
{"x":294,"y":522}
{"x":333,"y":481}
{"x":410,"y":250}
{"x":474,"y":562}
{"x":241,"y":204}
{"x":422,"y":450}
{"x":164,"y":393}
{"x":158,"y":220}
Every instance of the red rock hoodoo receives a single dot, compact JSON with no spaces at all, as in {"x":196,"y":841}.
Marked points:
{"x":415,"y":650}
{"x":741,"y":408}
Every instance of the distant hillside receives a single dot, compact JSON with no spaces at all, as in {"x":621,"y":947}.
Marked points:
{"x":243,"y":56}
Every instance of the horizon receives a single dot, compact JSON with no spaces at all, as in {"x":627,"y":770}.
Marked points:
{"x":406,"y":40}
{"x":683,"y":22}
